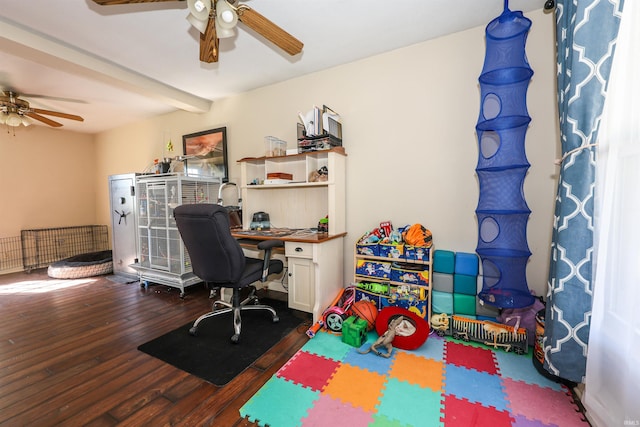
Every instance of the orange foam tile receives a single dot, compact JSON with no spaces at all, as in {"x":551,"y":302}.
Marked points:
{"x":426,"y":373}
{"x":359,"y":387}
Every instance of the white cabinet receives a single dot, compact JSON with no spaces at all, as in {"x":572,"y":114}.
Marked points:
{"x":162,"y":257}
{"x":315,"y":274}
{"x":301,"y":284}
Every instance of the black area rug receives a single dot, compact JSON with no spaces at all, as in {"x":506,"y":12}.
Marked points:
{"x":211,"y":355}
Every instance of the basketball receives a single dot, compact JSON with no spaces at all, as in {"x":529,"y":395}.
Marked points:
{"x":365,"y":310}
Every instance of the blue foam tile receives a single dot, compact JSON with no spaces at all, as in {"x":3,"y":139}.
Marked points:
{"x":443,"y":261}
{"x":475,"y":386}
{"x":466,"y":263}
{"x":442,"y":302}
{"x":465,"y":284}
{"x":433,"y":348}
{"x":370,"y":361}
{"x":518,"y":368}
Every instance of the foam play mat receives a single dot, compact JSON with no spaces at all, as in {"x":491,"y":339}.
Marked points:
{"x":445,"y":382}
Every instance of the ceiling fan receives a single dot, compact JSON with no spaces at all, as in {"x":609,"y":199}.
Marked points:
{"x":216,"y":19}
{"x":13,"y":112}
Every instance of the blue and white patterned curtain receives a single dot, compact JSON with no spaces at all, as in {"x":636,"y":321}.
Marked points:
{"x":586,"y":31}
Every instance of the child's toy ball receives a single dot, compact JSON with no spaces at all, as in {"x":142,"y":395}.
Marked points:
{"x":365,"y":310}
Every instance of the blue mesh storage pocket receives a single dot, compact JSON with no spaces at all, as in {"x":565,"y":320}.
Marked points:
{"x":505,"y":280}
{"x":497,"y":231}
{"x":506,"y":40}
{"x":504,"y":148}
{"x":502,"y":191}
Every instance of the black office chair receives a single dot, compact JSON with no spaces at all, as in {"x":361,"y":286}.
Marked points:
{"x":217,"y":259}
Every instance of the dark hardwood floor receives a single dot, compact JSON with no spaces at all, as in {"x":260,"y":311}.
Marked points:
{"x":68,"y":356}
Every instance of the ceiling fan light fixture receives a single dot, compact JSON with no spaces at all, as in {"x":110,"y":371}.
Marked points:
{"x":14,"y":119}
{"x":226,"y":16}
{"x":25,"y":122}
{"x":198,"y":24}
{"x":225,"y":33}
{"x":199,"y":8}
{"x":212,"y":17}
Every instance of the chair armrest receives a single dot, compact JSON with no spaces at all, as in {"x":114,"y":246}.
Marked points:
{"x":266,"y":246}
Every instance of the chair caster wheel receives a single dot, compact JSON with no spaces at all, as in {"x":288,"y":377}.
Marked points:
{"x":235,"y":339}
{"x":276,"y":319}
{"x":193,"y":331}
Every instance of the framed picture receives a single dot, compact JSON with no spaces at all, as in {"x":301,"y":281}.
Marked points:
{"x":206,"y":153}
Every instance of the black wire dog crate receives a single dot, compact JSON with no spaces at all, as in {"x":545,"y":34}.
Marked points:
{"x":10,"y":253}
{"x":41,"y":247}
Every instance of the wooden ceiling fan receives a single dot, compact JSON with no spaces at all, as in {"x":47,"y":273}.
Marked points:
{"x":217,"y":19}
{"x":13,"y":111}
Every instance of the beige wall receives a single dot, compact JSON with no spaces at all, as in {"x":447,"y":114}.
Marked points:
{"x":409,"y":131}
{"x":47,"y":179}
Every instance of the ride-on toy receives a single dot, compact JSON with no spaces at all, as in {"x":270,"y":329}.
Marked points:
{"x":338,"y":313}
{"x":333,"y":317}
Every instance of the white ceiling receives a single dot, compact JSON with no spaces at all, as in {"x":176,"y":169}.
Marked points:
{"x":118,"y":64}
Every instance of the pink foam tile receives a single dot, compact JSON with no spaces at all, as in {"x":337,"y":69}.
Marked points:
{"x":308,"y":370}
{"x":466,"y":356}
{"x":546,"y":405}
{"x":461,"y":412}
{"x":521,"y":421}
{"x":328,"y":411}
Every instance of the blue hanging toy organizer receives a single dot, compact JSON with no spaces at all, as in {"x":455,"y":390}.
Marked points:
{"x":502,"y":211}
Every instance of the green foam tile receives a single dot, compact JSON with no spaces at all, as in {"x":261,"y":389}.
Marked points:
{"x":327,"y":345}
{"x":410,"y":404}
{"x":382,"y":421}
{"x":464,"y":304}
{"x":299,"y":400}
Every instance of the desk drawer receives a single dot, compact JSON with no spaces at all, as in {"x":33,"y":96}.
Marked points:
{"x":298,"y":250}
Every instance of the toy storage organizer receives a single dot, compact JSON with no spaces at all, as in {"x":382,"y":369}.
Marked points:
{"x":394,"y":277}
{"x":502,"y":211}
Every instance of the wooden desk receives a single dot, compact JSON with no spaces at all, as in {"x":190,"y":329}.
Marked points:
{"x":315,"y":261}
{"x":315,"y":265}
{"x":286,"y":235}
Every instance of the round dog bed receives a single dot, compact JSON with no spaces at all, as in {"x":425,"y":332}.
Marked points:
{"x":83,"y":265}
